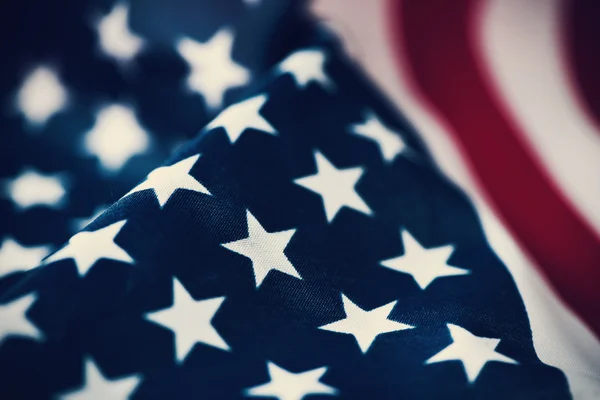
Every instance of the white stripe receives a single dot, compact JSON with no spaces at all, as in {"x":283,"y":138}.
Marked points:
{"x":559,"y":338}
{"x":520,"y":44}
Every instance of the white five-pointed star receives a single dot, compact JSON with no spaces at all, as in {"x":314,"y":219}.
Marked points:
{"x":14,"y":257}
{"x":306,"y":66}
{"x":97,"y":387}
{"x":41,"y":96}
{"x":473,"y":351}
{"x":286,"y":385}
{"x":389,"y":142}
{"x":116,"y":137}
{"x":86,"y":248}
{"x":425,"y":265}
{"x":213,"y":71}
{"x":115,"y":38}
{"x":238,"y":117}
{"x":15,"y":322}
{"x":335,"y":186}
{"x":165,"y":181}
{"x":265,"y":250}
{"x":364,"y":325}
{"x":31,"y":188}
{"x":190,"y":321}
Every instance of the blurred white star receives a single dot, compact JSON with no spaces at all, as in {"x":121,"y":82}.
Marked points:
{"x":15,"y":321}
{"x":116,"y":137}
{"x":41,"y":96}
{"x":390,"y":143}
{"x":31,"y":188}
{"x":212,"y":70}
{"x":97,"y":387}
{"x":115,"y":38}
{"x":306,"y":66}
{"x":14,"y":257}
{"x":286,"y":385}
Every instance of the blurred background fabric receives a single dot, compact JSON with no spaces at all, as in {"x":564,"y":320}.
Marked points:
{"x":94,"y":96}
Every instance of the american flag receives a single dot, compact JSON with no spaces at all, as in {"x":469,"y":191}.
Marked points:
{"x":382,"y":200}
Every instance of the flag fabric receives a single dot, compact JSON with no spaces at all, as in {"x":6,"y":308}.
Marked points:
{"x":300,"y":241}
{"x":515,"y":126}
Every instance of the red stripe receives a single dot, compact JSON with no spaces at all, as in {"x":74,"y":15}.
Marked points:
{"x":434,"y":38}
{"x":582,"y":53}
